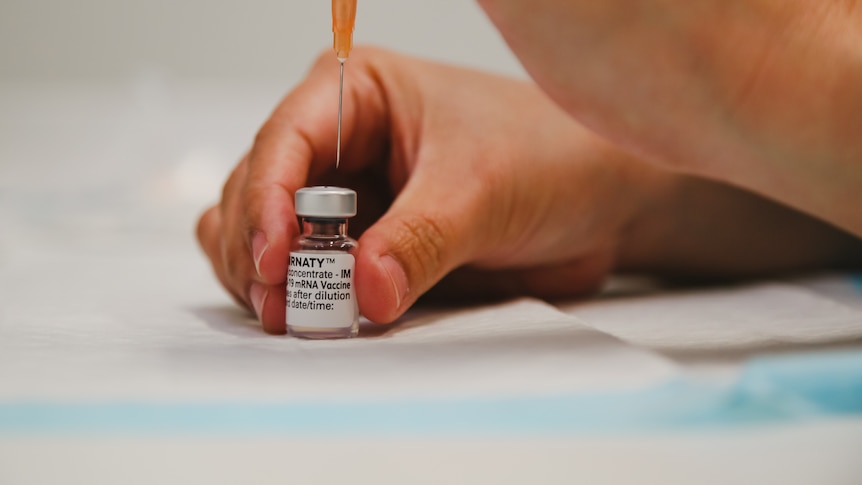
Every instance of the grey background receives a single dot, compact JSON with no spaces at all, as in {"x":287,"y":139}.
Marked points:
{"x":256,"y":39}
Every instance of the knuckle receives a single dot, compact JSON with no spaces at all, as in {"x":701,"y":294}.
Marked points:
{"x":424,"y":243}
{"x":235,"y":268}
{"x":323,"y":55}
{"x":255,"y":197}
{"x":270,"y":129}
{"x":233,"y":181}
{"x":257,"y":191}
{"x":204,"y":229}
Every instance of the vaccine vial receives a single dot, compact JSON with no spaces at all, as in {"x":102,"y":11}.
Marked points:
{"x":321,"y":299}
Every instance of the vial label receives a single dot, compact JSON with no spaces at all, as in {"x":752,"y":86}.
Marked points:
{"x":320,"y":290}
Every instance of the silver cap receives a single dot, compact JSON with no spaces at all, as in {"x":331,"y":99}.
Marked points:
{"x":325,"y":202}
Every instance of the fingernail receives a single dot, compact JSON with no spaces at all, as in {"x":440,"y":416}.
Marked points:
{"x":257,"y":293}
{"x":258,"y":249}
{"x":397,"y":277}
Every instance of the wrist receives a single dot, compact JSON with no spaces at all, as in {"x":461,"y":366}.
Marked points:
{"x":645,"y":238}
{"x":698,"y":228}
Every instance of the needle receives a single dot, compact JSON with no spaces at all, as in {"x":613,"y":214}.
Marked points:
{"x":343,"y":20}
{"x":340,"y":100}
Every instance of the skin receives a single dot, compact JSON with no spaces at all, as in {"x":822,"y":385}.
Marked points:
{"x":761,"y":94}
{"x":457,"y":192}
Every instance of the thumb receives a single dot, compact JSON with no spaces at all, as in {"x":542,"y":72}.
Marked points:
{"x":425,"y":234}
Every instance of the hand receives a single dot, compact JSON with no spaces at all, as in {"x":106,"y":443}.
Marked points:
{"x":452,"y":166}
{"x":460,"y":169}
{"x":763,"y":94}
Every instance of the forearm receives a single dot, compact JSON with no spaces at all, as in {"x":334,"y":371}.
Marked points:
{"x":794,"y":111}
{"x":761,"y":94}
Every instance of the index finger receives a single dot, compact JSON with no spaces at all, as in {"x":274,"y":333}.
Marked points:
{"x":298,"y":143}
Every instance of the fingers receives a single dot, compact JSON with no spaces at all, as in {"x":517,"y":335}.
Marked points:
{"x":298,"y":143}
{"x":266,"y":301}
{"x":294,"y":147}
{"x":279,"y":164}
{"x":415,"y":244}
{"x":247,"y":238}
{"x":209,"y":237}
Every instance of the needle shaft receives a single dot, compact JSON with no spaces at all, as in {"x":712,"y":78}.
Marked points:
{"x":340,"y":100}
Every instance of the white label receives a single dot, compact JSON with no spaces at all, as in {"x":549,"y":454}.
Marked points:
{"x":320,"y":290}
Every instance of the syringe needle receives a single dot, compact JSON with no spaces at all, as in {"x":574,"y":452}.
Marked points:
{"x":340,"y":99}
{"x":343,"y":19}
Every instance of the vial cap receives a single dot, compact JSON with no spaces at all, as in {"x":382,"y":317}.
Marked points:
{"x":325,"y":202}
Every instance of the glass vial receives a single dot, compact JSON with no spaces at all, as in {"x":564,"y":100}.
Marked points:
{"x":321,"y":299}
